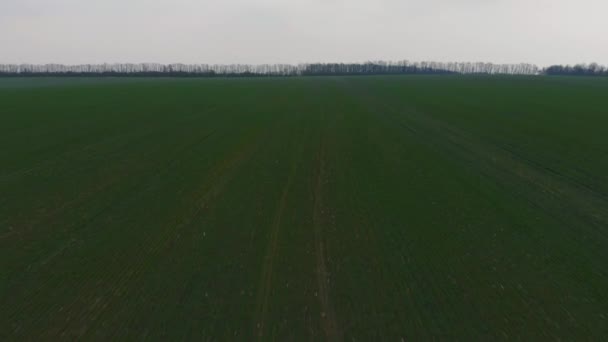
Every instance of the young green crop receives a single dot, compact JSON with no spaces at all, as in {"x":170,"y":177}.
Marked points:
{"x":329,"y":208}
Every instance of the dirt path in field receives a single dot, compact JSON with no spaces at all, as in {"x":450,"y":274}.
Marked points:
{"x":268,"y":267}
{"x":329,"y":323}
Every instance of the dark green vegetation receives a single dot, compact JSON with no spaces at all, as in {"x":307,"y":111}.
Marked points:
{"x":372,"y":208}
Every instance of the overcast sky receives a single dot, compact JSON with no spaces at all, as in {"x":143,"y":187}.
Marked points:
{"x":292,"y":31}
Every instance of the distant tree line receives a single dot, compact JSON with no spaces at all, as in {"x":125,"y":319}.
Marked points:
{"x":314,"y":69}
{"x":148,"y":69}
{"x":592,"y":69}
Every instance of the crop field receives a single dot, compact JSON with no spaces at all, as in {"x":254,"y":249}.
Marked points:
{"x":382,"y":208}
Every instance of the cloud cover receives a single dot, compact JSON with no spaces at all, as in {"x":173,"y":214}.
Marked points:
{"x":292,"y":31}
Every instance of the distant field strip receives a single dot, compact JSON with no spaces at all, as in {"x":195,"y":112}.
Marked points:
{"x":318,"y":208}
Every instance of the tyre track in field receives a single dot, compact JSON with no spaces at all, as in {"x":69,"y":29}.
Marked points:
{"x":267,"y":277}
{"x":329,"y":322}
{"x":269,"y":259}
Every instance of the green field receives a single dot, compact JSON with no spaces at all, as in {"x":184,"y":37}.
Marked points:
{"x":355,"y":208}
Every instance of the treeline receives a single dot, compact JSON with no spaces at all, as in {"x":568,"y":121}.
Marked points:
{"x":405,"y":67}
{"x":149,"y":69}
{"x":313,"y":69}
{"x":592,"y":69}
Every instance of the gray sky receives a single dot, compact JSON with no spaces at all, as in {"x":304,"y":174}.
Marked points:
{"x":291,"y":31}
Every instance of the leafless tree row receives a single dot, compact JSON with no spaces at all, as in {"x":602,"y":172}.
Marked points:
{"x":154,"y":68}
{"x":379,"y":67}
{"x":406,"y":67}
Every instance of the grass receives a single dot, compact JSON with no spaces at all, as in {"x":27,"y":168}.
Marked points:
{"x":356,"y":208}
